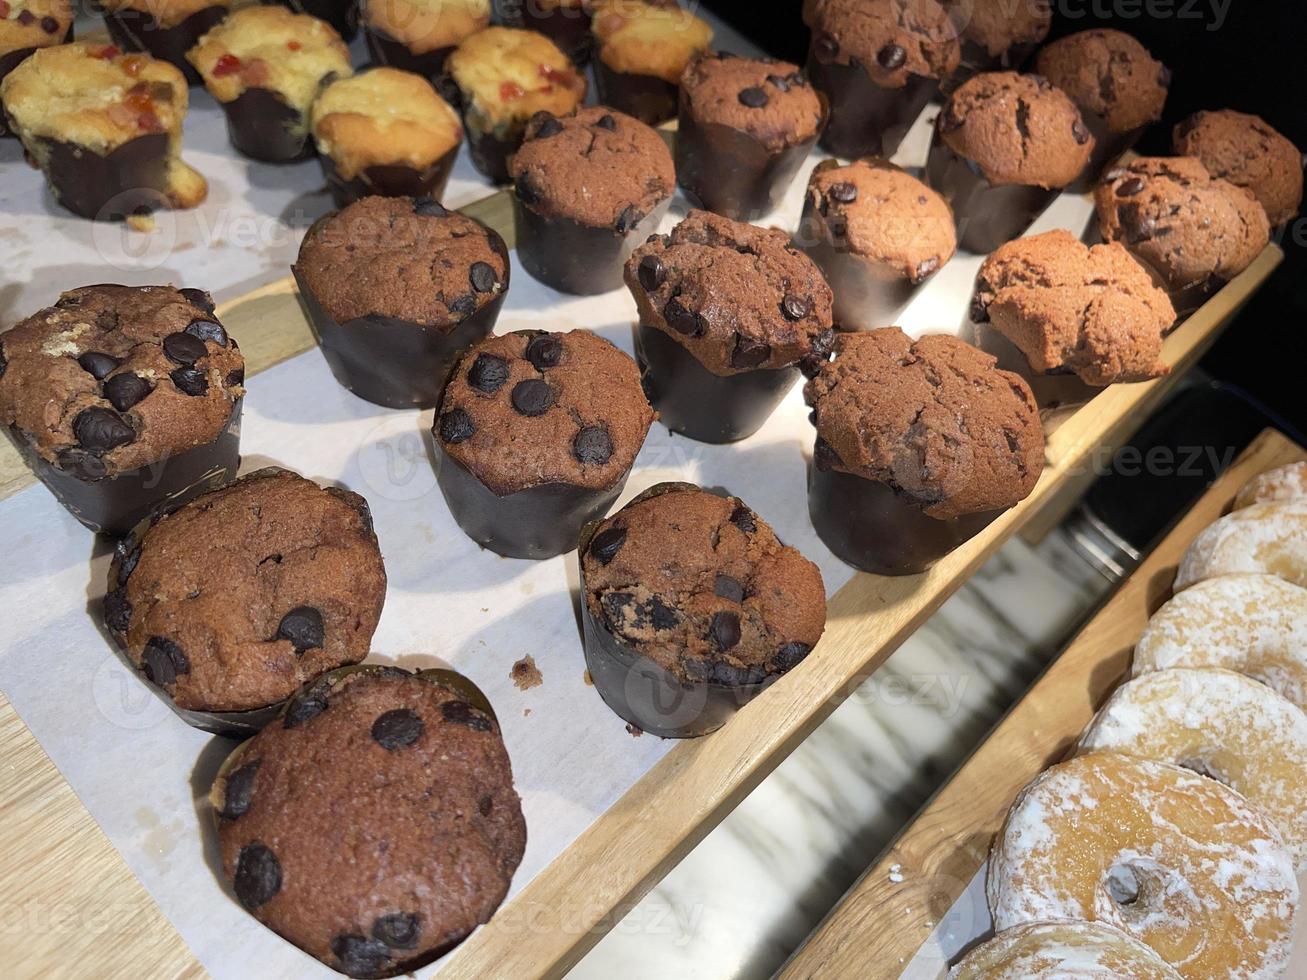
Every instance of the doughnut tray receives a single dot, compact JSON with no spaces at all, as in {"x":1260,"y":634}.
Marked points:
{"x":923,"y":900}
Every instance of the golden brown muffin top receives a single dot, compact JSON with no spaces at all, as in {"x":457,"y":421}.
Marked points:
{"x":507,"y":75}
{"x":641,"y":37}
{"x":423,"y":26}
{"x":33,"y":23}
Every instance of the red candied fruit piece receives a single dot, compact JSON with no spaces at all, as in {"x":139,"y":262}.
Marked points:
{"x":558,"y":76}
{"x":133,"y":64}
{"x":227,"y":64}
{"x":106,"y":53}
{"x":4,"y":10}
{"x":510,"y":91}
{"x":293,"y":45}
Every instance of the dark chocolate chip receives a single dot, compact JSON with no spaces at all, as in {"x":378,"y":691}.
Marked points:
{"x":456,"y":426}
{"x":548,"y":126}
{"x":258,"y":875}
{"x":163,"y":660}
{"x":488,"y":373}
{"x":199,"y":298}
{"x":728,"y":588}
{"x":4,"y":362}
{"x":235,"y":377}
{"x":125,"y":390}
{"x":844,"y":192}
{"x":743,"y":518}
{"x":128,"y":562}
{"x":25,"y":17}
{"x":98,"y":364}
{"x":605,"y":545}
{"x":1129,"y":188}
{"x":680,"y":318}
{"x":210,"y":330}
{"x":526,"y":191}
{"x":238,"y":791}
{"x":397,"y":729}
{"x":485,"y":805}
{"x":795,"y":307}
{"x":924,"y":268}
{"x":429,"y":207}
{"x":749,"y":353}
{"x":532,"y":397}
{"x":825,"y":47}
{"x":462,"y":713}
{"x":359,"y":956}
{"x":606,"y":121}
{"x":184,"y":348}
{"x":651,"y":273}
{"x":304,"y":708}
{"x":49,"y":25}
{"x":950,"y":118}
{"x":482,"y":276}
{"x":779,"y":82}
{"x":81,"y":464}
{"x":117,"y":611}
{"x":303,"y":627}
{"x":659,"y":615}
{"x":399,"y":930}
{"x":628,"y":219}
{"x":464,"y":306}
{"x":190,"y":381}
{"x":979,"y":310}
{"x":724,"y":630}
{"x":625,"y":615}
{"x":789,"y":655}
{"x":100,"y":430}
{"x":1079,"y":133}
{"x":544,"y":351}
{"x":891,"y":56}
{"x":753,"y":97}
{"x":593,"y":445}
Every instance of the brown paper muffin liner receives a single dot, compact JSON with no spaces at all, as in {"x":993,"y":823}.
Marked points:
{"x":396,"y":180}
{"x":865,"y":119}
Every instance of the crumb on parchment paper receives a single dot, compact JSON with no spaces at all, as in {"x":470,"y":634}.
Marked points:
{"x":526,"y":674}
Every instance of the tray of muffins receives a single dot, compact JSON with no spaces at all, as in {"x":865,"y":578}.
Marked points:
{"x":584,"y":503}
{"x":1140,"y":812}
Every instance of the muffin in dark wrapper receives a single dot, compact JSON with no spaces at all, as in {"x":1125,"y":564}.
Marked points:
{"x":641,"y":50}
{"x":565,"y":22}
{"x":164,"y":29}
{"x":414,"y":765}
{"x":123,"y":398}
{"x":691,"y":607}
{"x":745,"y":127}
{"x":878,"y":62}
{"x":265,"y":66}
{"x":588,"y":188}
{"x":1004,"y":146}
{"x":729,"y":314}
{"x":406,"y":151}
{"x":342,"y":15}
{"x":877,"y":234}
{"x":997,"y":36}
{"x":1248,"y":152}
{"x":919,"y":446}
{"x":395,"y":289}
{"x":535,"y":436}
{"x":37,"y":24}
{"x":418,"y":35}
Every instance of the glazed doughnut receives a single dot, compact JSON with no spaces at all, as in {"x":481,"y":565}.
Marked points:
{"x":1219,"y":724}
{"x":1182,"y":863}
{"x":1057,"y":950}
{"x":1282,"y":483}
{"x":1270,"y":537}
{"x":1253,"y":624}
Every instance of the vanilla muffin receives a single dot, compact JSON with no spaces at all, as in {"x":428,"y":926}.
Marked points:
{"x":26,"y":25}
{"x":504,"y":77}
{"x":266,"y":65}
{"x":105,"y":128}
{"x":385,"y":132}
{"x":165,"y":29}
{"x":642,"y":47}
{"x":418,"y":35}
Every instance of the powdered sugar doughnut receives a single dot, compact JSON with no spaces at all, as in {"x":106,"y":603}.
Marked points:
{"x":1253,"y":624}
{"x":1282,"y":483}
{"x":1269,"y":538}
{"x":1182,"y":863}
{"x":1060,"y":950}
{"x":1220,"y":724}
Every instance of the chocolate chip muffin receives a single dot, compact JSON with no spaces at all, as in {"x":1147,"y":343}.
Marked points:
{"x":1193,"y":230}
{"x":1245,"y":150}
{"x":418,"y":35}
{"x":1072,"y":308}
{"x":503,"y":77}
{"x":877,"y":233}
{"x":26,"y":25}
{"x":164,"y":29}
{"x":684,"y":589}
{"x":920,"y":444}
{"x":641,"y":50}
{"x":1004,"y":145}
{"x":588,"y":188}
{"x":1119,"y":87}
{"x":105,"y":128}
{"x":395,"y":289}
{"x":728,"y":313}
{"x":997,"y":35}
{"x":265,"y":66}
{"x":384,"y":132}
{"x":535,"y":436}
{"x":120,"y":397}
{"x":374,"y":826}
{"x":878,"y":63}
{"x":745,"y":127}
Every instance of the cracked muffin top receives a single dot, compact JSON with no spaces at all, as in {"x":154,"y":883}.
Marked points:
{"x":529,"y":408}
{"x":892,"y":40}
{"x":996,"y":26}
{"x":113,"y":378}
{"x":1109,"y":74}
{"x":700,"y":584}
{"x":375,"y":825}
{"x":934,"y":419}
{"x":1018,"y":129}
{"x":1182,"y":222}
{"x":648,"y":37}
{"x":402,"y":257}
{"x":598,"y":167}
{"x":1070,"y":307}
{"x":507,"y":75}
{"x":768,"y":99}
{"x":33,"y":24}
{"x":1245,"y":150}
{"x":423,"y":26}
{"x":736,"y":296}
{"x":235,"y":599}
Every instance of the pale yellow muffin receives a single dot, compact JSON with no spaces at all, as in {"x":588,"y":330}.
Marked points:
{"x":33,"y":23}
{"x":166,"y":13}
{"x":641,"y":38}
{"x":507,"y":75}
{"x":426,"y":25}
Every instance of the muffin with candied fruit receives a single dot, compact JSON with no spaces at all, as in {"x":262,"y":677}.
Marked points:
{"x":105,"y":128}
{"x":265,"y":66}
{"x":26,"y":25}
{"x":641,"y":49}
{"x":503,"y":77}
{"x":164,"y":29}
{"x":418,"y":35}
{"x":385,"y":132}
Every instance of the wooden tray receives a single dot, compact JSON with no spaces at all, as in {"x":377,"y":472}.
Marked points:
{"x":886,"y":917}
{"x":588,"y":888}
